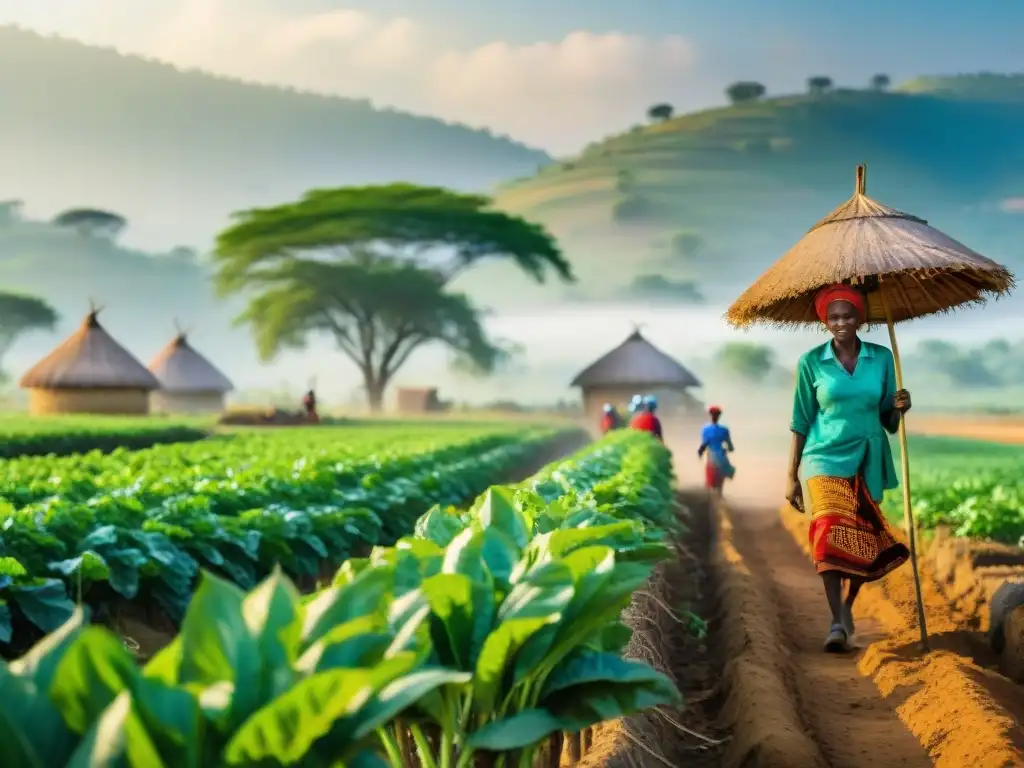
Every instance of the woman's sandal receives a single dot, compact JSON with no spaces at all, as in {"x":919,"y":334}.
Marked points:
{"x":837,"y":640}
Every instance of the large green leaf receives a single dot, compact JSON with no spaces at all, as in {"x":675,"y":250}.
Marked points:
{"x":286,"y":729}
{"x":401,"y":694}
{"x":585,"y":667}
{"x":366,"y":593}
{"x":27,"y":699}
{"x":273,"y":614}
{"x":520,"y":730}
{"x":462,"y":614}
{"x":173,"y":721}
{"x":497,"y":509}
{"x":44,"y":602}
{"x":17,"y":734}
{"x":537,"y":601}
{"x":93,"y":672}
{"x":118,"y":739}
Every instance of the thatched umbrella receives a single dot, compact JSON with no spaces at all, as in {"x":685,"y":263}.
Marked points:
{"x":906,"y":268}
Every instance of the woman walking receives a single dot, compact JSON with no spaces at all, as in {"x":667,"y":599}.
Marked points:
{"x":716,"y":442}
{"x":845,"y":402}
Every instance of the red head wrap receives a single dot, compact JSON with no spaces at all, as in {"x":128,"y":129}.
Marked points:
{"x":714,"y":409}
{"x":838,"y":292}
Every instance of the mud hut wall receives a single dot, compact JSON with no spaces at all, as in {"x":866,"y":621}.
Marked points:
{"x":414,"y":400}
{"x":186,"y":402}
{"x":102,"y":401}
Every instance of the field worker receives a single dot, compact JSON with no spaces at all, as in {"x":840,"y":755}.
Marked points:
{"x":635,"y":403}
{"x":845,"y":402}
{"x":309,"y":404}
{"x":716,"y":442}
{"x":610,"y":420}
{"x":644,"y":418}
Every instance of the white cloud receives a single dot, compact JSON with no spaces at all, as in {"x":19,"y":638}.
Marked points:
{"x":556,"y":94}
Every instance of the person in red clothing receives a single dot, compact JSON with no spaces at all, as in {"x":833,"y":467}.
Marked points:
{"x":610,"y":420}
{"x":645,"y":420}
{"x":309,"y":405}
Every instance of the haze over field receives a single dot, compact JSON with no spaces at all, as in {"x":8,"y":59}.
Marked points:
{"x":664,"y":223}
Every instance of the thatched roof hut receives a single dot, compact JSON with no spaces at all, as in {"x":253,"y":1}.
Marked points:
{"x":89,"y":372}
{"x":189,"y":383}
{"x":634,"y":367}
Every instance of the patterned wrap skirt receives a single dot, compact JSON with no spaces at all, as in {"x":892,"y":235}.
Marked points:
{"x":849,"y":533}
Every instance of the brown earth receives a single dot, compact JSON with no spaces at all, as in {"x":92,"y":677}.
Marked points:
{"x":996,"y":429}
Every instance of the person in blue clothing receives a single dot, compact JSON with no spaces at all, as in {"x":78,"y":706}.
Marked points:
{"x":716,"y":443}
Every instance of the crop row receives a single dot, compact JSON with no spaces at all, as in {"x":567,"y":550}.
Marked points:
{"x":141,"y":525}
{"x":974,"y":487}
{"x":485,"y":635}
{"x":63,"y":435}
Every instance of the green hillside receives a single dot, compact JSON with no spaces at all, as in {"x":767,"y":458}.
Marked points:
{"x":176,"y":151}
{"x":714,"y":197}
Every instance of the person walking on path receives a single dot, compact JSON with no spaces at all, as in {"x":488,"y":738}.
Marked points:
{"x":716,"y":442}
{"x":645,"y":420}
{"x":610,"y":420}
{"x":845,"y":402}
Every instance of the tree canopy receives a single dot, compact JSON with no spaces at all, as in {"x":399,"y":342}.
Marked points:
{"x":745,"y":360}
{"x":430,"y":227}
{"x":819,"y":84}
{"x":660,"y":111}
{"x":91,"y":221}
{"x":745,"y":90}
{"x":880,"y":82}
{"x":370,"y":267}
{"x":20,"y":314}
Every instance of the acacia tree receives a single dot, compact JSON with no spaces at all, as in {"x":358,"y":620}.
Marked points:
{"x":880,"y":82}
{"x":371,"y":267}
{"x":20,"y":314}
{"x":819,"y":84}
{"x":660,"y":112}
{"x":91,"y":222}
{"x":744,"y":91}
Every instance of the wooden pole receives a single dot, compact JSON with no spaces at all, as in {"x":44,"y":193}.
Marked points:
{"x":908,"y":512}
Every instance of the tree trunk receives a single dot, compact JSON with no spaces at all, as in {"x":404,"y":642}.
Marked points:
{"x":374,"y":392}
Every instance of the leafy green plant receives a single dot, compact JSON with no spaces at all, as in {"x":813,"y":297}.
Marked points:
{"x":143,"y":524}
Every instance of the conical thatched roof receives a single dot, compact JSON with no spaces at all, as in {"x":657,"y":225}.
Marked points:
{"x":89,"y":359}
{"x":920,"y":270}
{"x":179,"y":368}
{"x":635,"y":362}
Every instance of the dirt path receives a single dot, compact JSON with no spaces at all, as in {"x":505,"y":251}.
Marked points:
{"x":842,"y":711}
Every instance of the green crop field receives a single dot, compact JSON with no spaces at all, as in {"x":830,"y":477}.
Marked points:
{"x":976,"y":488}
{"x":489,"y":629}
{"x":139,"y":525}
{"x":23,"y":435}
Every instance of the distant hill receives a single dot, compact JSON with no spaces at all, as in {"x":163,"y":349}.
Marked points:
{"x":176,"y":151}
{"x":715,"y":196}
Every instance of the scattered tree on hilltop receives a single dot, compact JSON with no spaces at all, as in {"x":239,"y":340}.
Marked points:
{"x":745,"y":91}
{"x":819,"y":84}
{"x":747,"y":361}
{"x":660,"y":112}
{"x":91,"y":222}
{"x":19,"y":315}
{"x":370,"y":267}
{"x":658,"y":288}
{"x":880,"y":82}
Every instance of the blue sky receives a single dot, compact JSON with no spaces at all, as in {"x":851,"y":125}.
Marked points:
{"x":555,"y":73}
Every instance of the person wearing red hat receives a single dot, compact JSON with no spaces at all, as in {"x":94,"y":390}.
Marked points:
{"x":845,"y":402}
{"x":716,"y":442}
